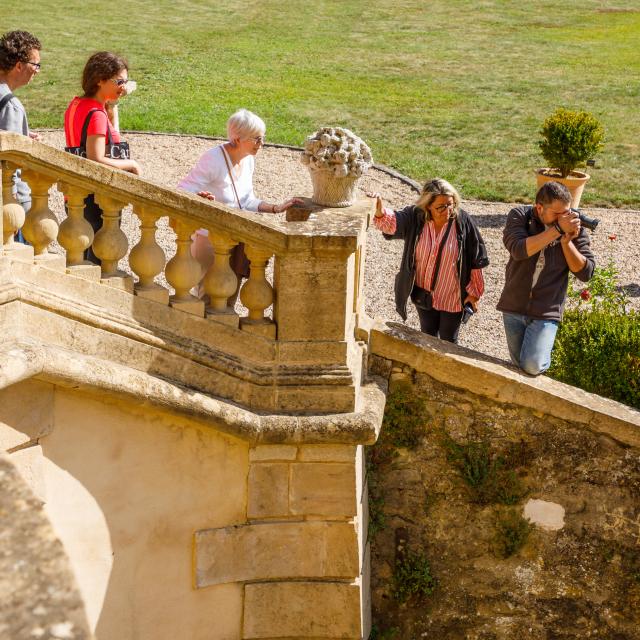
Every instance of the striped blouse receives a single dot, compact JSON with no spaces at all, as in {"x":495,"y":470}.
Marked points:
{"x":446,"y":296}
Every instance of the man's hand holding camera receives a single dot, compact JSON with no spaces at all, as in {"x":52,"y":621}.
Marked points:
{"x":569,"y":223}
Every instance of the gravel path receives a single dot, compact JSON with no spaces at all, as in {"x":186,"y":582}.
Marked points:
{"x":279,"y":174}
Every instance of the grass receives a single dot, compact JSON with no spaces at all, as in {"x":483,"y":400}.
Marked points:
{"x":452,"y":88}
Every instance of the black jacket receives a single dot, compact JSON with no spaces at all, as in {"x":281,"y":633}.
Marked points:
{"x":545,"y":299}
{"x":472,"y":254}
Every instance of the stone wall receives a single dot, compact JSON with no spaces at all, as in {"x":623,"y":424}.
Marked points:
{"x":560,"y":560}
{"x":174,"y":529}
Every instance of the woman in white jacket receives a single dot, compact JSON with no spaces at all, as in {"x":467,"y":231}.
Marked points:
{"x":225,"y":173}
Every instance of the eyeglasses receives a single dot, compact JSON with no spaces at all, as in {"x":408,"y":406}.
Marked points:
{"x":35,"y":65}
{"x":442,"y":208}
{"x":258,"y":140}
{"x":119,"y":82}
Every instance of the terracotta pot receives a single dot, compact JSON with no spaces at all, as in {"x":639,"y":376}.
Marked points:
{"x":328,"y":190}
{"x":575,"y":182}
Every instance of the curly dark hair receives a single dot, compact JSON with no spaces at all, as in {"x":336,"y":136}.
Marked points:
{"x":101,"y":66}
{"x":15,"y":46}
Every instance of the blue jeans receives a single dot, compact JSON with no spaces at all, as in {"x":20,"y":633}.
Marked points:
{"x":530,"y":342}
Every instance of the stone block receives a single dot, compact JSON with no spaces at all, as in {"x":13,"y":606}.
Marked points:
{"x":301,"y":610}
{"x":323,"y":489}
{"x":121,"y":281}
{"x":90,"y":272}
{"x":268,"y":490}
{"x":276,"y":551}
{"x":156,"y":294}
{"x":327,"y":453}
{"x":264,"y":329}
{"x":194,"y":307}
{"x":265,"y":452}
{"x":229,"y":318}
{"x":53,"y":261}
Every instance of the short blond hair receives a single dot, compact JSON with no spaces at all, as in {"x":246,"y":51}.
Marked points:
{"x":433,"y":189}
{"x":245,"y":125}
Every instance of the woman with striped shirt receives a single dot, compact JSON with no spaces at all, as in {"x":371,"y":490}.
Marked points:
{"x":442,"y":261}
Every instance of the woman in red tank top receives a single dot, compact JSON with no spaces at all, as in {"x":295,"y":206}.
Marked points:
{"x":88,"y":131}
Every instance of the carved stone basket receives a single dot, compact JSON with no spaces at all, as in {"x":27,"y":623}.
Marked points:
{"x":331,"y":191}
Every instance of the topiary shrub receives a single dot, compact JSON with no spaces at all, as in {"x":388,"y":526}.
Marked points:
{"x":569,"y":138}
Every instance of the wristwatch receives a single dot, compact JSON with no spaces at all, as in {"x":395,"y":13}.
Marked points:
{"x":558,"y":228}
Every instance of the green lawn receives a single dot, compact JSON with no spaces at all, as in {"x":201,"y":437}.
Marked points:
{"x":452,"y":88}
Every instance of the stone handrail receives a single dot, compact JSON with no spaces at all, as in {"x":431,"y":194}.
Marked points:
{"x":317,"y":265}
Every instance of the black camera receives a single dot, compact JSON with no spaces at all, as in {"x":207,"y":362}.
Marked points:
{"x":586,"y":221}
{"x":467,"y":312}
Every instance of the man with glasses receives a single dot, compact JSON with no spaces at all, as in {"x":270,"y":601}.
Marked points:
{"x":545,"y":242}
{"x":19,"y":63}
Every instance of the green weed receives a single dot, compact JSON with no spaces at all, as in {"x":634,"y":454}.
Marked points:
{"x":512,"y":532}
{"x":412,"y":578}
{"x":384,"y":634}
{"x":404,"y":417}
{"x":490,"y":477}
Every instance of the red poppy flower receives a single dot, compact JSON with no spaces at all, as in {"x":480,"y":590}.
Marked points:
{"x":585,"y":294}
{"x":613,"y":236}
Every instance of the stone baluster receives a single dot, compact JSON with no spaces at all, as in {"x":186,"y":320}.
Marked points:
{"x":220,"y":281}
{"x":41,"y":225}
{"x":110,"y":243}
{"x":147,"y":259}
{"x":183,"y":271}
{"x":76,"y":234}
{"x":257,"y":295}
{"x":12,"y":212}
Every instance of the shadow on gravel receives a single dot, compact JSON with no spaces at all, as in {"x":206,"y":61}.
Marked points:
{"x":492,"y":221}
{"x":632,"y":290}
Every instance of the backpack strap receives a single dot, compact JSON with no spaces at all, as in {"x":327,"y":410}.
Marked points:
{"x":85,"y":127}
{"x":5,"y":100}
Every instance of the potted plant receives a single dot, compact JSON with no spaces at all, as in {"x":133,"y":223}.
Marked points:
{"x":336,"y":159}
{"x":569,"y":139}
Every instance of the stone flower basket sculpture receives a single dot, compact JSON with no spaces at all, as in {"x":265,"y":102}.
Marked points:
{"x":336,"y":158}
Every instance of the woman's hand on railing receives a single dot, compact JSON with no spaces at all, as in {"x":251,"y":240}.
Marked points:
{"x":206,"y":194}
{"x":134,"y":168}
{"x":279,"y":208}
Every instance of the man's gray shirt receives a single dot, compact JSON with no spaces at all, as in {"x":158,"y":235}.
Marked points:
{"x":13,"y":117}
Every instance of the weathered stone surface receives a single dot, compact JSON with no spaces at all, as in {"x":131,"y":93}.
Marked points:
{"x":276,"y":551}
{"x":485,"y":376}
{"x":268,"y":452}
{"x":268,"y":490}
{"x":544,"y":514}
{"x":327,"y":453}
{"x":38,"y":594}
{"x":301,"y":610}
{"x":574,"y":582}
{"x":323,"y":489}
{"x":29,"y":420}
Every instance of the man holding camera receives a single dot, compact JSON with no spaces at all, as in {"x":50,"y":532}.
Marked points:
{"x":545,"y":241}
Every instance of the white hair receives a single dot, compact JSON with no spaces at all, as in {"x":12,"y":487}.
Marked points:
{"x":244,"y":125}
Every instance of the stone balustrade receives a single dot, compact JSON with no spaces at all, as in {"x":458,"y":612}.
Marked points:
{"x":316,"y":273}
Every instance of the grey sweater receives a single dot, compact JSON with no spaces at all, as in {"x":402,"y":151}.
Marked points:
{"x":538,"y":293}
{"x":13,"y":117}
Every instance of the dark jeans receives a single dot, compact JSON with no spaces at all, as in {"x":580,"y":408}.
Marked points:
{"x":93,"y":215}
{"x":442,"y":324}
